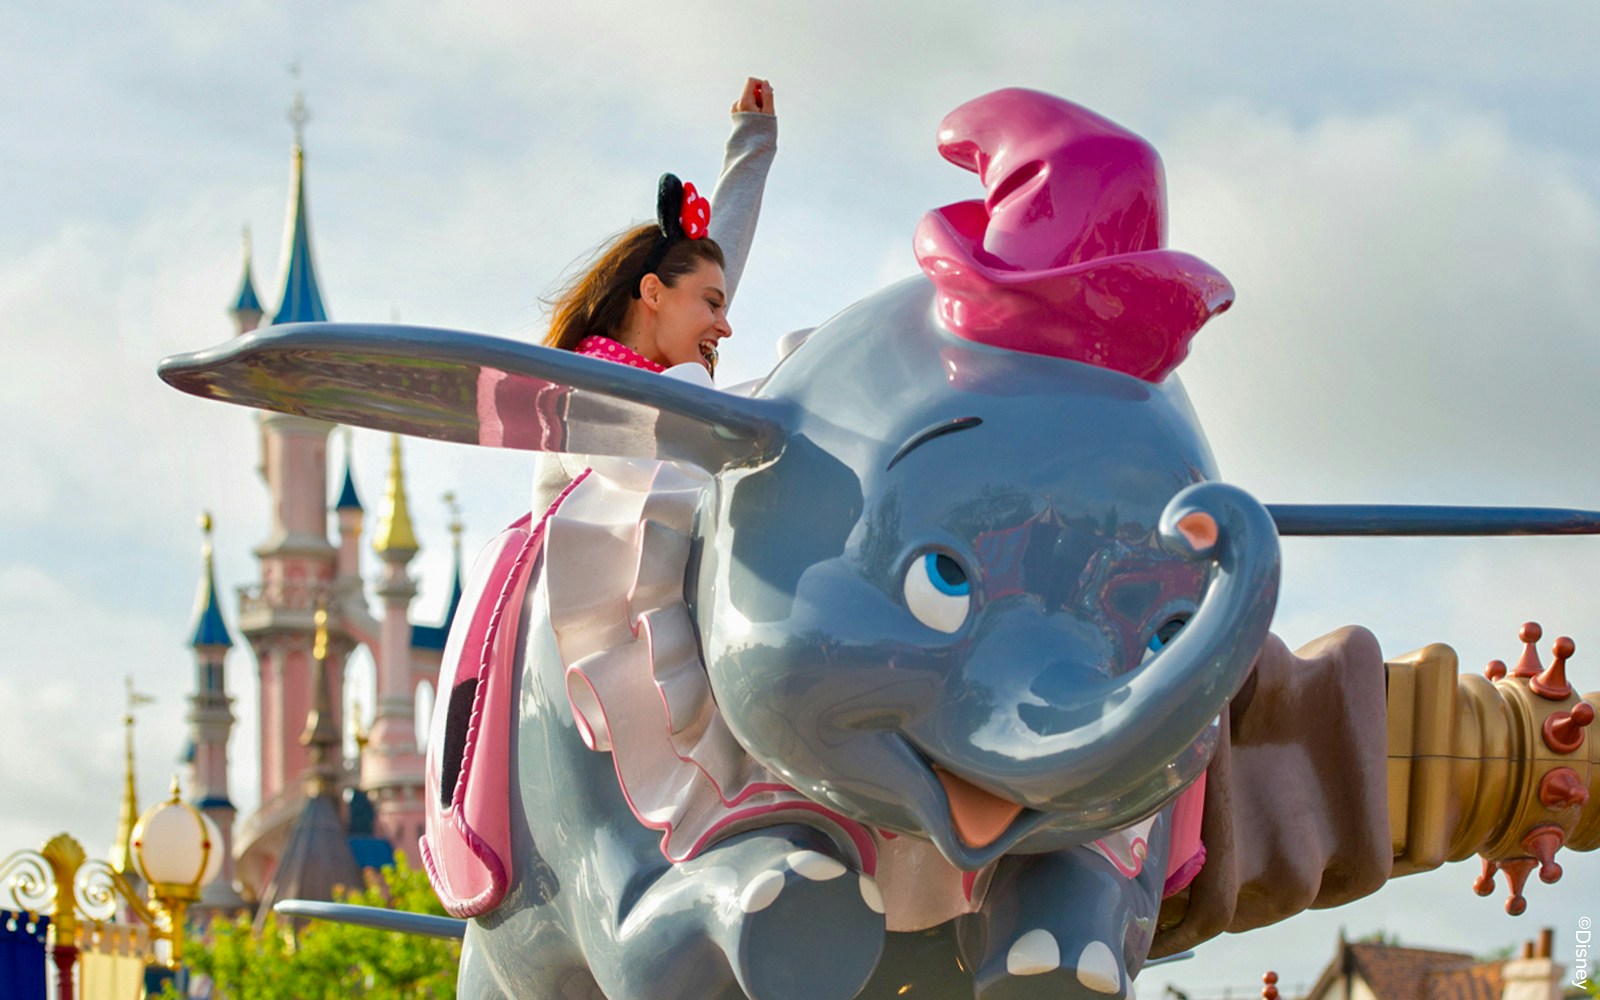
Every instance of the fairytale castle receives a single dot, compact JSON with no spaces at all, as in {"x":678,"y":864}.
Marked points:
{"x":321,"y":818}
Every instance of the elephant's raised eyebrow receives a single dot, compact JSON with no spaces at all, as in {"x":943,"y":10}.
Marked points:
{"x":937,"y":430}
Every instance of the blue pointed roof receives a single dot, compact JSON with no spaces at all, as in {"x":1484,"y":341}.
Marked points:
{"x":246,"y":301}
{"x":301,"y":301}
{"x":209,"y":628}
{"x":348,"y":500}
{"x":434,"y":636}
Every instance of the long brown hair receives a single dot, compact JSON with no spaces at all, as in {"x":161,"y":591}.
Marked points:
{"x":596,"y":300}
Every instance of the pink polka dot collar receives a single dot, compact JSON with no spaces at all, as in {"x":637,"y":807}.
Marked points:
{"x":611,"y":350}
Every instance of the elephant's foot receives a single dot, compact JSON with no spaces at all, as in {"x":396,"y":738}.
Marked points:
{"x":1065,"y":925}
{"x":808,"y":928}
{"x":1037,"y":964}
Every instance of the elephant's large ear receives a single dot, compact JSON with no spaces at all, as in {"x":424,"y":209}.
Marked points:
{"x":480,"y":390}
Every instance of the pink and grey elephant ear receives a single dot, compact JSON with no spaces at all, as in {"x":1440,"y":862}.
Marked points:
{"x":1066,"y":256}
{"x":474,"y":389}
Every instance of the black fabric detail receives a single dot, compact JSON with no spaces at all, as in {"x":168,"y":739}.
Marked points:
{"x":459,"y":714}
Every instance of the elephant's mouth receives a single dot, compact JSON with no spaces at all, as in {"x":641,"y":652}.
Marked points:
{"x":977,"y":826}
{"x":979,"y":817}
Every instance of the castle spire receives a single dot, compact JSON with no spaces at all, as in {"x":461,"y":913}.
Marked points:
{"x":456,"y":529}
{"x":392,"y":765}
{"x":321,"y":737}
{"x":210,"y":721}
{"x":395,"y":537}
{"x":301,"y":301}
{"x":122,"y":850}
{"x":349,"y":499}
{"x":350,"y":514}
{"x":209,"y":628}
{"x":246,"y":309}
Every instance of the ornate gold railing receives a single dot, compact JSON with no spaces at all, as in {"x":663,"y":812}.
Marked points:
{"x":81,"y":895}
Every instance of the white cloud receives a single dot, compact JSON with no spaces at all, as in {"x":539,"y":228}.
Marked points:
{"x":1416,"y":317}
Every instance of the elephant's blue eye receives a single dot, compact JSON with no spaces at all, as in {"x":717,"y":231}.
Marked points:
{"x":1163,"y":635}
{"x":946,"y":574}
{"x":938,"y":592}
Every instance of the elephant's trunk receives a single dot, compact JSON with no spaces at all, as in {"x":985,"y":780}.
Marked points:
{"x":1110,"y":751}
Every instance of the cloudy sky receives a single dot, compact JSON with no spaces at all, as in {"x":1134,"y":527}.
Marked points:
{"x":1407,"y":198}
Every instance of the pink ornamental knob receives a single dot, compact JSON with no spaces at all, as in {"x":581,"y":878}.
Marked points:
{"x":1563,"y":731}
{"x":1528,"y":665}
{"x":1552,"y":684}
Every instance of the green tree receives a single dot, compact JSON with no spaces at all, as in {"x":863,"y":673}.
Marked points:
{"x":332,"y":961}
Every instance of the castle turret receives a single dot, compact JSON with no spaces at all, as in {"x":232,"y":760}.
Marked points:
{"x":350,"y":513}
{"x":246,"y":308}
{"x":210,"y":721}
{"x":391,"y":765}
{"x":302,"y":294}
{"x":298,"y":565}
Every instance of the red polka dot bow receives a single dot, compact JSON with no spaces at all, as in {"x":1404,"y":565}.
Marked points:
{"x":695,"y":216}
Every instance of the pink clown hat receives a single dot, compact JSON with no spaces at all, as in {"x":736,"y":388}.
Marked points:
{"x":1066,"y":256}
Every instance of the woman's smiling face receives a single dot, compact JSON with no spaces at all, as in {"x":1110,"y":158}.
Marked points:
{"x":691,"y":317}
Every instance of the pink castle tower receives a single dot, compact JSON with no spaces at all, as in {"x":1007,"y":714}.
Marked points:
{"x":391,"y":766}
{"x":297,"y":560}
{"x":210,"y":721}
{"x":302,"y":570}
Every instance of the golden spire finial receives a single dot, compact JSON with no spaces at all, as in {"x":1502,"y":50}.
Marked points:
{"x":395,"y":535}
{"x":456,"y":526}
{"x":319,"y":647}
{"x":205,"y":532}
{"x":299,"y":114}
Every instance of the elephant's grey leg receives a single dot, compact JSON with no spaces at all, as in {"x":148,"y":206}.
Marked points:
{"x":476,"y":980}
{"x":771,"y":914}
{"x":1066,"y":924}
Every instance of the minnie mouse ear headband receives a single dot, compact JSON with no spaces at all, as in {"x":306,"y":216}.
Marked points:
{"x":681,"y":213}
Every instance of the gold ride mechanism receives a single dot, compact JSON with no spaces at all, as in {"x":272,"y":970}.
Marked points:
{"x":1496,"y":765}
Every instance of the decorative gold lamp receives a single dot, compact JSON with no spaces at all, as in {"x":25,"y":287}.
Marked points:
{"x":179,"y":851}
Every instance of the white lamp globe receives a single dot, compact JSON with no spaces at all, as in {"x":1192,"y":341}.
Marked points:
{"x":214,"y":855}
{"x":176,"y":845}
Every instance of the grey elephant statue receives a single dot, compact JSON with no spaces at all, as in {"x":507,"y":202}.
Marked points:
{"x":902,"y":674}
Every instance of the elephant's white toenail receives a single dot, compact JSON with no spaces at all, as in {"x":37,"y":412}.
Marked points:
{"x":761,"y":892}
{"x":870,"y":895}
{"x":1099,"y":969}
{"x":1034,"y":953}
{"x":814,"y":866}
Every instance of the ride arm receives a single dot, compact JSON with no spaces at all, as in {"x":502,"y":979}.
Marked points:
{"x":1338,"y":771}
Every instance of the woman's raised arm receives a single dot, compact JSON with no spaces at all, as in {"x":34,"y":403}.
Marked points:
{"x":736,"y":202}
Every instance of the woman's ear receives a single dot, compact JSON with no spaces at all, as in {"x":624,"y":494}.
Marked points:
{"x":650,"y":290}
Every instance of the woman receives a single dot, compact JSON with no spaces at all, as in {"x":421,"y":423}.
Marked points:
{"x":658,"y":300}
{"x":657,"y":296}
